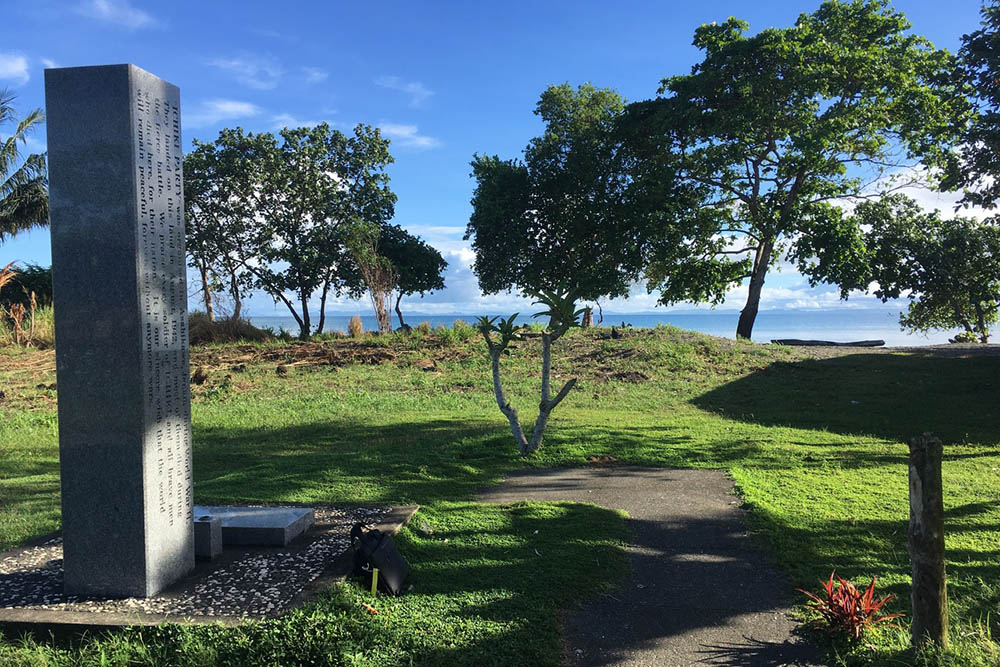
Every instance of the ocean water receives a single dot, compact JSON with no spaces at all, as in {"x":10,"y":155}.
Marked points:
{"x":840,"y":325}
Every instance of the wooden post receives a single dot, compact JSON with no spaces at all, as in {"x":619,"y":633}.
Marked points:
{"x":926,"y":542}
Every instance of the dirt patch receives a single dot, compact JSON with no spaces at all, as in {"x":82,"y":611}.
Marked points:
{"x":340,"y":353}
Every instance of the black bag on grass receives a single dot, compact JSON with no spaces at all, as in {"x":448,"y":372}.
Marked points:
{"x":375,"y":549}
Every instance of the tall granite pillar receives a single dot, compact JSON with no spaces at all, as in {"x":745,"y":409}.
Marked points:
{"x":117,"y":222}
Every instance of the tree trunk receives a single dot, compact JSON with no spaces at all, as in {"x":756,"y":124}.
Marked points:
{"x":206,"y":292}
{"x":983,"y":333}
{"x":926,"y":543}
{"x":506,"y":408}
{"x":382,"y":314}
{"x":546,"y":405}
{"x":322,"y":306}
{"x":588,"y":318}
{"x":749,"y":313}
{"x":399,"y":313}
{"x":305,"y":325}
{"x":234,"y":291}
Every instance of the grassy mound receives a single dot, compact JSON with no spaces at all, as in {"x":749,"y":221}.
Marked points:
{"x":204,"y":331}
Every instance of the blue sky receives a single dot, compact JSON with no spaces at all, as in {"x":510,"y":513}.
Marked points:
{"x":443,"y":79}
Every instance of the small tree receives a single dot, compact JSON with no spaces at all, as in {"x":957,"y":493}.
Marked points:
{"x":554,"y":227}
{"x":377,"y":271}
{"x":419,"y":267}
{"x":563,"y":315}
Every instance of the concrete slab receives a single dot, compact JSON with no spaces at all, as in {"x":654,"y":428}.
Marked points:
{"x":700,"y":592}
{"x":258,"y":526}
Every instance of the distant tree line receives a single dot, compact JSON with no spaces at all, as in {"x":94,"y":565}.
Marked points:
{"x":283,"y":214}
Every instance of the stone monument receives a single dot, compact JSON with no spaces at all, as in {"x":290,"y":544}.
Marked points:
{"x":117,"y":221}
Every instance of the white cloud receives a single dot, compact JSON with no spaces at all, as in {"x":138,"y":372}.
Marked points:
{"x":48,"y":63}
{"x":314,"y":74}
{"x":14,"y":66}
{"x":119,"y":12}
{"x":417,"y":91}
{"x":408,"y":136}
{"x":251,"y":71}
{"x":283,"y":120}
{"x":215,"y":111}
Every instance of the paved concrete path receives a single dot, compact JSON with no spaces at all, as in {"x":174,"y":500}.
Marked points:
{"x":699,"y":592}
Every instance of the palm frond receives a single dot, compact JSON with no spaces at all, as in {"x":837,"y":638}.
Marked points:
{"x":23,"y":183}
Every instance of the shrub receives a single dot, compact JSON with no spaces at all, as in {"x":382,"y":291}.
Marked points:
{"x":355,"y":328}
{"x":462,"y":330}
{"x":964,"y":337}
{"x":424,"y":327}
{"x":23,"y":323}
{"x":202,"y":331}
{"x":30,"y":281}
{"x":845,"y":609}
{"x":33,"y":327}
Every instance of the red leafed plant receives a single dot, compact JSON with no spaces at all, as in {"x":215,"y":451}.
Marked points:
{"x":846,"y":609}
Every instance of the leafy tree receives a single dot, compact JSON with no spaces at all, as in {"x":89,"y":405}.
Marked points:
{"x":556,"y":227}
{"x":978,"y":169}
{"x":949,"y":269}
{"x":556,"y":221}
{"x":418,"y":266}
{"x":24,"y":197}
{"x":377,"y":271}
{"x":313,"y":186}
{"x":752,"y":153}
{"x":563,"y":315}
{"x":223,"y":234}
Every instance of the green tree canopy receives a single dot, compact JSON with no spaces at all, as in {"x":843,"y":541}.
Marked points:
{"x":273,"y":212}
{"x":316,"y":183}
{"x":978,"y":167}
{"x":556,"y":221}
{"x":949,"y":269}
{"x":223,"y":234}
{"x":750,"y":155}
{"x":417,"y":267}
{"x":24,"y":195}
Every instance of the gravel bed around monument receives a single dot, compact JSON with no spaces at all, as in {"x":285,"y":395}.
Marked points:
{"x":244,"y":582}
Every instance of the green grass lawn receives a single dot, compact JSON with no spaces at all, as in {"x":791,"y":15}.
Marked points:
{"x":816,"y":446}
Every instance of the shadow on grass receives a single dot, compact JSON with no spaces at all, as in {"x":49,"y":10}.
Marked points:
{"x":345,"y":461}
{"x":891,"y":396}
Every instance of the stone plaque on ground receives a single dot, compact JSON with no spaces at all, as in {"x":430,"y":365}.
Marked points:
{"x":117,"y":219}
{"x":256,"y":526}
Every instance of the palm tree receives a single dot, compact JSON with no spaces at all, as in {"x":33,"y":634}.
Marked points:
{"x":24,"y":197}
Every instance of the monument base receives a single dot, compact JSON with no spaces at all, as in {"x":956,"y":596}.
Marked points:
{"x":242,"y":583}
